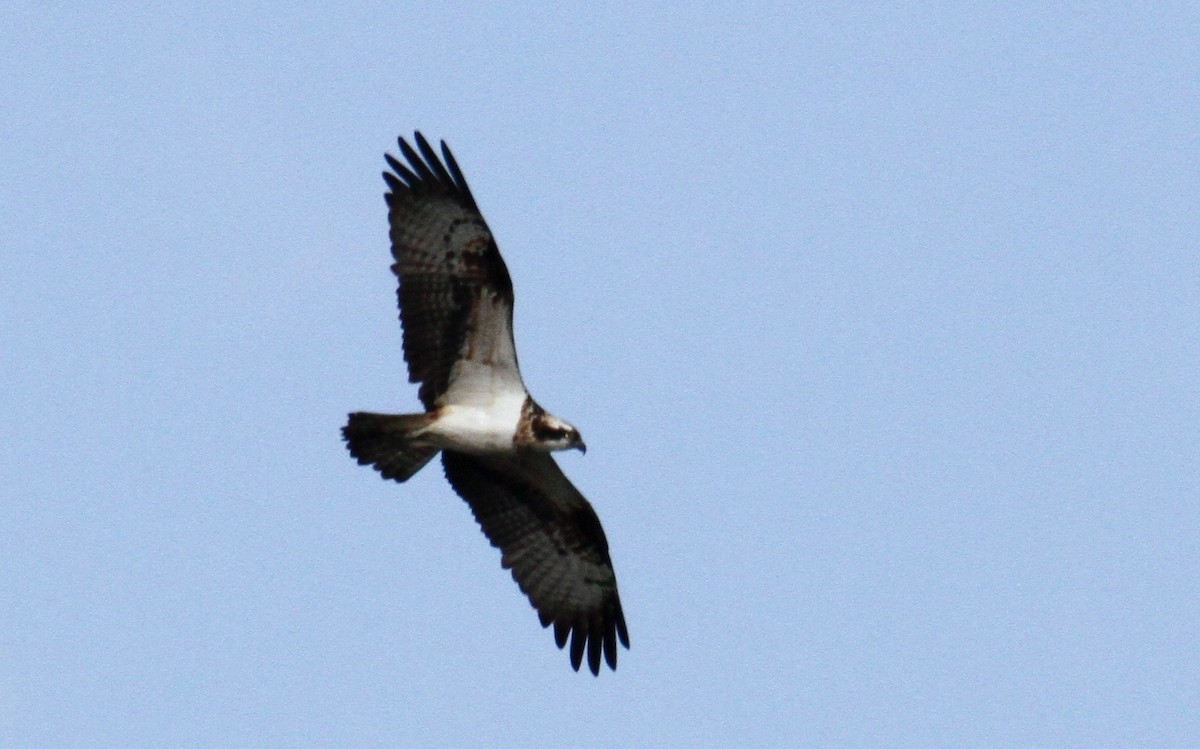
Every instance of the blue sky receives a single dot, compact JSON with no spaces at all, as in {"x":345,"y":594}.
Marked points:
{"x":881,"y":325}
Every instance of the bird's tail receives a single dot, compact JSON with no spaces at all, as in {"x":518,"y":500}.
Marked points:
{"x":387,"y":442}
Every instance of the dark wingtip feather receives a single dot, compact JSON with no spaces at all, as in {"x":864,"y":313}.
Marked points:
{"x":431,"y":158}
{"x":597,"y":638}
{"x":459,"y":180}
{"x":404,"y":173}
{"x":610,"y":647}
{"x":578,"y":641}
{"x":594,"y":643}
{"x":416,"y":162}
{"x":393,"y":182}
{"x":425,"y":171}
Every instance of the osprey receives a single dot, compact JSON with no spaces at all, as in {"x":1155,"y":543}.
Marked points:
{"x":456,"y":308}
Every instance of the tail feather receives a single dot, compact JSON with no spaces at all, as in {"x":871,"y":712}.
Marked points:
{"x":385,"y":441}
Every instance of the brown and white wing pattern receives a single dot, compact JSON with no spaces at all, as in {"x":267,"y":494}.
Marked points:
{"x":455,"y":292}
{"x":551,"y":539}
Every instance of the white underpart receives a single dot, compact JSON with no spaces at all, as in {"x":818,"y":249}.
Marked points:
{"x":471,"y":429}
{"x":482,"y":407}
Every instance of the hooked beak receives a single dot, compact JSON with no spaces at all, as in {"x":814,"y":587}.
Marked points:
{"x":581,"y":447}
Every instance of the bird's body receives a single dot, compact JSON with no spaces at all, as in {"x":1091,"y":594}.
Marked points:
{"x":477,"y":429}
{"x":456,"y":303}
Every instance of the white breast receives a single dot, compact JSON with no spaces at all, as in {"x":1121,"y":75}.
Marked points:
{"x":476,"y":428}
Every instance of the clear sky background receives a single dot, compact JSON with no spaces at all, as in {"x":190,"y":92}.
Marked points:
{"x":881,"y":323}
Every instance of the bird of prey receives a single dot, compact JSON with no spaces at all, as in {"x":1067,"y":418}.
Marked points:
{"x":456,"y":309}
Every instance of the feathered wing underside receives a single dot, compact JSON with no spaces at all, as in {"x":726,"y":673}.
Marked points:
{"x":551,"y":539}
{"x":455,"y":293}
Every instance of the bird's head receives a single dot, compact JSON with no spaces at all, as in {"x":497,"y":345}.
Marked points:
{"x":552,"y":433}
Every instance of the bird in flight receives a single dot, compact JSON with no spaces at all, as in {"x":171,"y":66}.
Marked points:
{"x":456,"y":309}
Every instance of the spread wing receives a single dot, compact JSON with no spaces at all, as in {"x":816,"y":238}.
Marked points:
{"x":455,"y":293}
{"x":551,"y":539}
